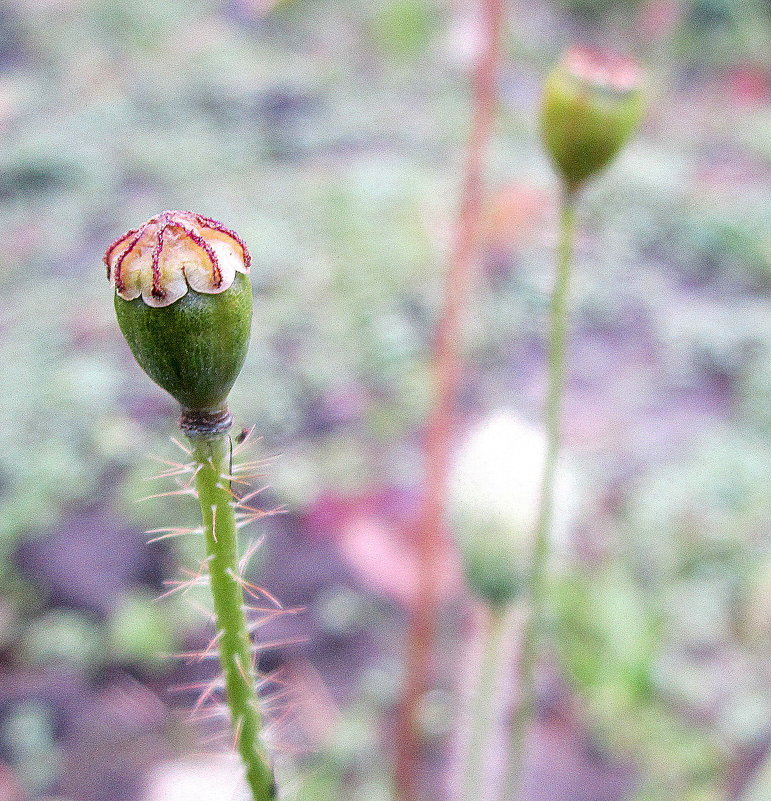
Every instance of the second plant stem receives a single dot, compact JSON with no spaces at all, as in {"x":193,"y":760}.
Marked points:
{"x":537,"y":586}
{"x":446,"y":375}
{"x":482,"y":709}
{"x":211,"y":454}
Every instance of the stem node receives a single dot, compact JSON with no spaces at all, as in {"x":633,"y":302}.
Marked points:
{"x":205,"y":422}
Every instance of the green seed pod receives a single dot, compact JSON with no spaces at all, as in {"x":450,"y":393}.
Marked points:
{"x":592,"y":104}
{"x":184,"y":304}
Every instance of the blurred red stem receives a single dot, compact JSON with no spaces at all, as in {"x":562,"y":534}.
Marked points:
{"x":446,"y":370}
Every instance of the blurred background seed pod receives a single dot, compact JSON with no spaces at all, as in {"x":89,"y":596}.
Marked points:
{"x":592,"y":103}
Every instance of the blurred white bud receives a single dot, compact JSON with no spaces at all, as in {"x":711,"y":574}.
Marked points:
{"x":464,"y":41}
{"x":210,"y":779}
{"x":494,"y":495}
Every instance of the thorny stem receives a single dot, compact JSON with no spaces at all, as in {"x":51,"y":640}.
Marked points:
{"x":533,"y":630}
{"x":445,"y":379}
{"x":482,"y":709}
{"x":212,"y":456}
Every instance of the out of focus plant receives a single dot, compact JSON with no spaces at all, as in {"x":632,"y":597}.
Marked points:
{"x":493,"y":509}
{"x":184,"y":304}
{"x":404,"y":27}
{"x":760,"y":786}
{"x":610,"y":637}
{"x":66,"y":637}
{"x":444,"y":388}
{"x":140,"y":631}
{"x":493,"y":506}
{"x":592,"y":104}
{"x":645,"y":637}
{"x":28,"y":737}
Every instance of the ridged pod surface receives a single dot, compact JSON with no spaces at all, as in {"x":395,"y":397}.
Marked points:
{"x":194,"y":348}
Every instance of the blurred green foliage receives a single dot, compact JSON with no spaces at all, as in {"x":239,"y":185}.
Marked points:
{"x":141,"y":632}
{"x":29,"y":736}
{"x":405,"y":27}
{"x":329,"y":135}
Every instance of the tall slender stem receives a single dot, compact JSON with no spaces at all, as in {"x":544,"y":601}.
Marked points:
{"x":533,"y":630}
{"x":446,"y":373}
{"x":212,"y":454}
{"x":482,"y":708}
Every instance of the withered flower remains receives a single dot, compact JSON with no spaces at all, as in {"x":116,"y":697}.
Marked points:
{"x":171,"y":252}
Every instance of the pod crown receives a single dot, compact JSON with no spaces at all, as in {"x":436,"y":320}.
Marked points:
{"x":172,"y":252}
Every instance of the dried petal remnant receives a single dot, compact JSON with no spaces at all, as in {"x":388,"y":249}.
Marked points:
{"x":172,"y":252}
{"x":603,"y":69}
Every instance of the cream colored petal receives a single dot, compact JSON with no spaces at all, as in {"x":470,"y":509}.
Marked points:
{"x":199,"y":274}
{"x":200,"y":271}
{"x":130,"y":273}
{"x":173,"y":292}
{"x":227,"y":249}
{"x":134,"y":267}
{"x":130,"y":293}
{"x":201,"y":278}
{"x":172,"y":279}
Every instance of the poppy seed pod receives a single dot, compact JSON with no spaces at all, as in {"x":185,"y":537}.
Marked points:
{"x":184,"y":304}
{"x":592,"y":104}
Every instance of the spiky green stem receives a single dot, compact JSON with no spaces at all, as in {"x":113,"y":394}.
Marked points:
{"x":212,"y":456}
{"x":482,"y":708}
{"x":533,"y":632}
